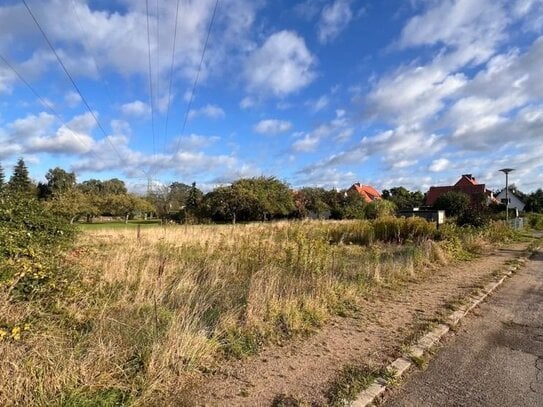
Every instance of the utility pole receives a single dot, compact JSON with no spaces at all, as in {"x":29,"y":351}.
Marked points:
{"x":506,"y":171}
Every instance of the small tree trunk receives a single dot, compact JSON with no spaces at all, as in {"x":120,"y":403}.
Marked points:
{"x":234,"y":219}
{"x":126,"y":218}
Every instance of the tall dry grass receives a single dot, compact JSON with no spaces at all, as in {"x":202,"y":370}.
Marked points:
{"x":146,"y":315}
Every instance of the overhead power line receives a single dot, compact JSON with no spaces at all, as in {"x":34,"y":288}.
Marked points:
{"x":151,"y":99}
{"x":171,"y":74}
{"x":87,"y":44}
{"x":74,"y":84}
{"x":196,"y":79}
{"x":47,"y":105}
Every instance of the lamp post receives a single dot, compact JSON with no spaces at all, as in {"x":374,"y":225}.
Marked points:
{"x":506,"y":171}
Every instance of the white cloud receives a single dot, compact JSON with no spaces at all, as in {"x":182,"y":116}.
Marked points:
{"x":72,"y":99}
{"x":247,"y":102}
{"x":334,"y":19}
{"x":281,"y":66}
{"x":137,"y":108}
{"x":209,"y":111}
{"x":457,"y":23}
{"x":272,"y":126}
{"x":194,"y":142}
{"x":319,"y":104}
{"x":306,"y":144}
{"x":439,"y":165}
{"x":96,"y":41}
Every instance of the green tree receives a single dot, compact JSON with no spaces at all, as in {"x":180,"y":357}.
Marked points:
{"x":454,"y":203}
{"x":403,"y":198}
{"x":177,"y":196}
{"x":265,"y":197}
{"x":72,"y":205}
{"x":193,"y":202}
{"x":346,"y":204}
{"x":59,"y":181}
{"x":2,"y":179}
{"x":534,"y":201}
{"x":311,"y":201}
{"x":229,"y":203}
{"x":20,"y":182}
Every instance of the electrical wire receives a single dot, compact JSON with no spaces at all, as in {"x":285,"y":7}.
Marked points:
{"x":196,"y":79}
{"x":171,"y":74}
{"x":151,"y":99}
{"x":75,"y":85}
{"x":96,"y":64}
{"x":48,"y":106}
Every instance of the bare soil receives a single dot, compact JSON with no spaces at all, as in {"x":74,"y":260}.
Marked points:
{"x":388,"y":318}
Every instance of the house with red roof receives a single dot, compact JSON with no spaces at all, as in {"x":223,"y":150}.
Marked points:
{"x":479,"y":195}
{"x":368,"y":193}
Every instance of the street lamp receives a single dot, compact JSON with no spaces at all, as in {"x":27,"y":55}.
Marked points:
{"x":506,"y":171}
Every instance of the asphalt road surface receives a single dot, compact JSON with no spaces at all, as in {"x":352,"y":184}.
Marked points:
{"x":495,"y":358}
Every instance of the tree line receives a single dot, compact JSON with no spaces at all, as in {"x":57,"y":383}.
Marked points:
{"x":249,"y":199}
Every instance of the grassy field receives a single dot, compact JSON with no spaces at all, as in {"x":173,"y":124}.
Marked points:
{"x":139,"y":318}
{"x":132,"y":224}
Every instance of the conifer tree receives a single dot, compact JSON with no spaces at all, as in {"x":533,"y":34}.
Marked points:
{"x":20,"y":180}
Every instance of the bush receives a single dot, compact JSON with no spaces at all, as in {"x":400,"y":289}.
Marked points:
{"x":31,"y":240}
{"x":453,"y":203}
{"x":535,"y":220}
{"x":380,"y":208}
{"x":473,"y":218}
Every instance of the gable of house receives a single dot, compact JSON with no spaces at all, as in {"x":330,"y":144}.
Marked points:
{"x":514,"y":201}
{"x":467,"y":184}
{"x":368,"y":193}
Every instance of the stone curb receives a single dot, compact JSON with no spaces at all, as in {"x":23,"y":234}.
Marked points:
{"x":424,"y":344}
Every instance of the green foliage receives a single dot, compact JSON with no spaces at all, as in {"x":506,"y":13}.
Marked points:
{"x":535,"y":221}
{"x":311,"y":201}
{"x":20,"y":183}
{"x":247,"y":199}
{"x":2,"y":179}
{"x":387,"y":229}
{"x":454,"y":203}
{"x":59,"y":181}
{"x":403,"y":198}
{"x":349,"y":383}
{"x":113,"y":186}
{"x":31,"y":239}
{"x":534,"y":202}
{"x":380,"y":208}
{"x":474,"y":218}
{"x":346,"y":205}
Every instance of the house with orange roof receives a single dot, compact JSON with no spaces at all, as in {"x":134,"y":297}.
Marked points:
{"x":479,"y":195}
{"x":368,"y":193}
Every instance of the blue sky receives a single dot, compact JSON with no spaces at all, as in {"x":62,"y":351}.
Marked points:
{"x":316,"y":93}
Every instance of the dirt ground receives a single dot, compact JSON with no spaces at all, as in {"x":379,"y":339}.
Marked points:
{"x":304,"y":367}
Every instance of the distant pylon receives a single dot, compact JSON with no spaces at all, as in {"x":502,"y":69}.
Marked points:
{"x":149,"y":185}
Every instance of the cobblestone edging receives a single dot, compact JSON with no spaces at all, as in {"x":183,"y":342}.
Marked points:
{"x":424,"y":344}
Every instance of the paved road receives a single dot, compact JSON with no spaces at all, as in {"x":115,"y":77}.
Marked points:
{"x":496,"y":357}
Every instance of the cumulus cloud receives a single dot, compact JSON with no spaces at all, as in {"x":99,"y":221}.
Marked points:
{"x":439,"y":165}
{"x":137,"y":108}
{"x":281,"y":66}
{"x":338,"y":128}
{"x":96,"y":41}
{"x":272,"y":126}
{"x":210,"y":111}
{"x":334,"y":19}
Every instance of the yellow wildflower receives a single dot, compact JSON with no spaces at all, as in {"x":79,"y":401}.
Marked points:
{"x":16,"y":333}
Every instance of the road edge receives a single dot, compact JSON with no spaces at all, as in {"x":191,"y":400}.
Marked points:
{"x":401,"y":365}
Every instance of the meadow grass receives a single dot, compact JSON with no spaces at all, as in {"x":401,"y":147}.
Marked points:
{"x":144,"y":316}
